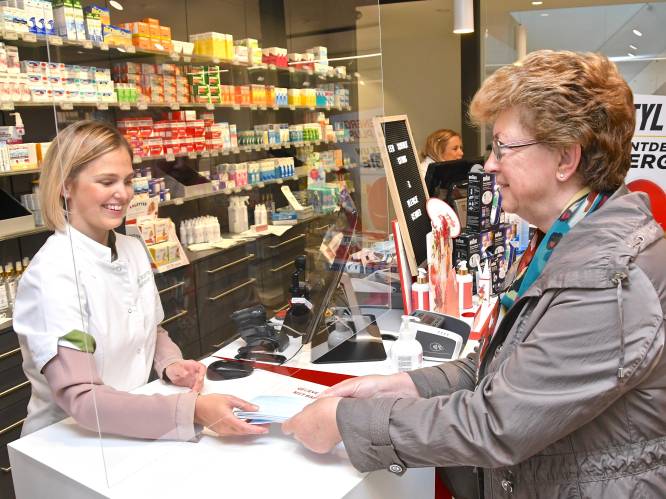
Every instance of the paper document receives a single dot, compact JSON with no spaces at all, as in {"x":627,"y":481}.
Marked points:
{"x":274,"y":408}
{"x":293,"y":202}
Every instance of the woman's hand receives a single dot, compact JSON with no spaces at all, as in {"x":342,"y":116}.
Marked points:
{"x":395,"y":385}
{"x":315,"y":426}
{"x":215,"y":411}
{"x":187,"y":373}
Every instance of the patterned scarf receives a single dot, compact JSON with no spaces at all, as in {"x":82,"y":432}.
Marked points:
{"x":541,"y":246}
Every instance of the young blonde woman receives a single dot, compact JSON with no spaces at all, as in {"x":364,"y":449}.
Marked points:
{"x":441,"y":145}
{"x":88,"y":311}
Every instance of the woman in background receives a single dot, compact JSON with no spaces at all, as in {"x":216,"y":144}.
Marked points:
{"x":441,"y":145}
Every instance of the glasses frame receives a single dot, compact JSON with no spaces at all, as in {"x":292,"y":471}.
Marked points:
{"x":498,"y":145}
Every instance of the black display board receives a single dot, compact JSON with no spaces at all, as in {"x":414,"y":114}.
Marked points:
{"x":407,"y":187}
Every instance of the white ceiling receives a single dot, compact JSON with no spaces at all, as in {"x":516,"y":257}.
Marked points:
{"x":584,"y":26}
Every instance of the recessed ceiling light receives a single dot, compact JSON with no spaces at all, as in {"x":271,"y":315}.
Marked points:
{"x":116,"y":5}
{"x":633,"y":47}
{"x":545,"y":14}
{"x":630,"y":54}
{"x":537,"y":3}
{"x":637,"y":33}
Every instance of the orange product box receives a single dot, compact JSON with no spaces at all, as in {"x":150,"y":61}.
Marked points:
{"x":142,"y":42}
{"x":138,"y":28}
{"x":165,"y":32}
{"x":151,"y":20}
{"x":154,"y":30}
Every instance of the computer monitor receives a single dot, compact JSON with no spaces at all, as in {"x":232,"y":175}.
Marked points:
{"x":445,"y":173}
{"x":330,"y":320}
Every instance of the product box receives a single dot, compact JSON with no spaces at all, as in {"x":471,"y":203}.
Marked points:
{"x":498,"y":271}
{"x":479,"y":200}
{"x":467,"y":247}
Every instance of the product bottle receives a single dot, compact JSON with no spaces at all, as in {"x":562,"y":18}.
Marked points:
{"x":464,"y":279}
{"x":421,"y":292}
{"x":26,"y":261}
{"x":257,"y":215}
{"x":243,"y":218}
{"x":484,"y":282}
{"x":407,"y":353}
{"x":5,"y":311}
{"x":183,"y":233}
{"x":11,"y":283}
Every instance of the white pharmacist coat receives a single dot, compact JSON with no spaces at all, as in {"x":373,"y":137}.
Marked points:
{"x":73,"y":284}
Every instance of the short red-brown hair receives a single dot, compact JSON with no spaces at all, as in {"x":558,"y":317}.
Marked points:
{"x":567,"y":98}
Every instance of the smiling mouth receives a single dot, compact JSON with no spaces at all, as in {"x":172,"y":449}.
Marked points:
{"x":113,"y":207}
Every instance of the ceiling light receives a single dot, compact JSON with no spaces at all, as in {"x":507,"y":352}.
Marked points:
{"x":463,"y":16}
{"x":116,"y":5}
{"x":630,"y":54}
{"x":637,"y":33}
{"x":633,"y":47}
{"x":545,"y":14}
{"x":537,"y":3}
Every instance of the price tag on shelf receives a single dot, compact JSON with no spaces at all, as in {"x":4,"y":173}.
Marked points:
{"x":236,"y":150}
{"x":66,"y":106}
{"x":262,"y":108}
{"x":292,"y":108}
{"x":317,"y":142}
{"x":236,"y":107}
{"x":279,"y":181}
{"x":174,"y":106}
{"x":258,"y":148}
{"x":247,"y":187}
{"x":53,"y":40}
{"x":271,"y":67}
{"x":29,"y":37}
{"x":187,"y":58}
{"x":124,"y":106}
{"x":171,"y":157}
{"x":205,"y":154}
{"x":215,"y":153}
{"x":276,"y":108}
{"x":216,"y":60}
{"x":178,"y":201}
{"x":102,"y":106}
{"x":261,"y":185}
{"x":142,"y":106}
{"x":7,"y":106}
{"x":226,"y":191}
{"x":87,"y":44}
{"x":192,"y":155}
{"x":328,"y":107}
{"x":253,"y":108}
{"x":236,"y":190}
{"x":130,"y":49}
{"x":292,"y":69}
{"x":104,"y":47}
{"x":210,"y":106}
{"x":137,"y":159}
{"x":10,"y":35}
{"x":174,"y":56}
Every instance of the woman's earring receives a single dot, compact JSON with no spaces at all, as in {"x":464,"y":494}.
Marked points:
{"x":562,"y":176}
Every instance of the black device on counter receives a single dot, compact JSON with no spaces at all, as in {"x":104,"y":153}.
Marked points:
{"x":334,"y":337}
{"x":228,"y":369}
{"x":442,"y":337}
{"x":261,"y":337}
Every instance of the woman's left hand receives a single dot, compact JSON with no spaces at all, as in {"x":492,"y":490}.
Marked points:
{"x":188,"y":373}
{"x":315,"y":426}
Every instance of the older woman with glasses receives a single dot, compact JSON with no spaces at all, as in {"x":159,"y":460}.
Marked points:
{"x":568,"y":399}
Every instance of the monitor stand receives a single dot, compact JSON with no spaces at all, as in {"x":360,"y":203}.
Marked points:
{"x":359,"y":338}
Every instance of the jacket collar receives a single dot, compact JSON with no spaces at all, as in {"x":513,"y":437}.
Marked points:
{"x":85,"y":244}
{"x":601,"y":245}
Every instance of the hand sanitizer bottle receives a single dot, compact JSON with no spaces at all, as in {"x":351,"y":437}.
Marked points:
{"x":407,"y":353}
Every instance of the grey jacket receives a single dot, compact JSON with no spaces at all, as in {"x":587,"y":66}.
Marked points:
{"x":570,"y":398}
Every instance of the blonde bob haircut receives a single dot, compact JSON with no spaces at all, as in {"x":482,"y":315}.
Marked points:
{"x":435,"y":145}
{"x":70,"y":152}
{"x":567,"y":98}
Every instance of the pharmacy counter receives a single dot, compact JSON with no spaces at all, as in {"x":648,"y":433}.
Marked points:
{"x":65,"y":461}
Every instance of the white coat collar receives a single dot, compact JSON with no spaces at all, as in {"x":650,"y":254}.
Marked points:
{"x":86,"y":244}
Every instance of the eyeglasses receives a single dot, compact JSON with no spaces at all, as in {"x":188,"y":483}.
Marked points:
{"x":499,"y":146}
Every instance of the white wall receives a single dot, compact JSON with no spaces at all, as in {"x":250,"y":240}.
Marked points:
{"x":421,"y":65}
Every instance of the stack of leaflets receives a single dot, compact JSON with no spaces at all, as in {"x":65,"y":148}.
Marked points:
{"x":274,"y":409}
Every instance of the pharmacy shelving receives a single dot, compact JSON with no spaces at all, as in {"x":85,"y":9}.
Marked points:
{"x":124,"y":52}
{"x":19,"y":172}
{"x":23,"y":233}
{"x":174,"y":106}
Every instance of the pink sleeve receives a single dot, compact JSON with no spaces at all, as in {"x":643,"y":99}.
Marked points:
{"x":166,"y":351}
{"x":169,"y":417}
